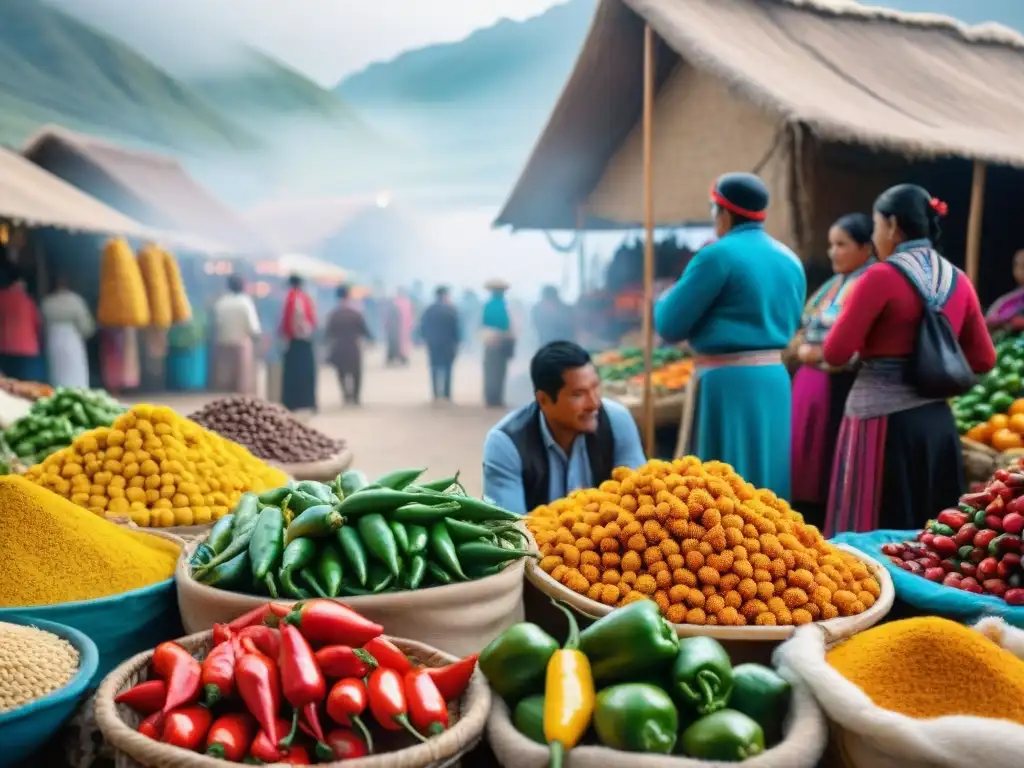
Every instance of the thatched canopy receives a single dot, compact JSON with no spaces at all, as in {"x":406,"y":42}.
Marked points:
{"x":743,"y":84}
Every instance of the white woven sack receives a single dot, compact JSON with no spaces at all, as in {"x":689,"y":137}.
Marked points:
{"x":803,"y":744}
{"x":459,"y":619}
{"x":872,"y":737}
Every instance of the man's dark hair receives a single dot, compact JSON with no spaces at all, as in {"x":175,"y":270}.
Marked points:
{"x":295,"y":281}
{"x":441,"y":292}
{"x":236,"y":284}
{"x":548,"y":366}
{"x":343,"y":292}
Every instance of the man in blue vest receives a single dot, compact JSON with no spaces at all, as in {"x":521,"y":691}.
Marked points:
{"x":568,"y":438}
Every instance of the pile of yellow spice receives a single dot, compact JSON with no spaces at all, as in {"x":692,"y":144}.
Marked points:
{"x":52,"y":551}
{"x":706,"y":545}
{"x":157,"y":468}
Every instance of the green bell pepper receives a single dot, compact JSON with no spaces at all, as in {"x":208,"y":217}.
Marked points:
{"x":702,"y":675}
{"x":528,"y":718}
{"x":516,"y":662}
{"x":760,"y":694}
{"x":725,"y":735}
{"x":636,"y":717}
{"x":629,"y":643}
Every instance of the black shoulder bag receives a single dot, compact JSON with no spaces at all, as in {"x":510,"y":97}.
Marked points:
{"x":938,"y":368}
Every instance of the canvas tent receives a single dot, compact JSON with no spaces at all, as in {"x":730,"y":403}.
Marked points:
{"x":830,"y":101}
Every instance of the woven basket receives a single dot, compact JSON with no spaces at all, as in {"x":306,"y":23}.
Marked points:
{"x":323,"y":471}
{"x":133,"y":750}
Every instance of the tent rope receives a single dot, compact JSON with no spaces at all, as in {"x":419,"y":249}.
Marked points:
{"x":563,"y":248}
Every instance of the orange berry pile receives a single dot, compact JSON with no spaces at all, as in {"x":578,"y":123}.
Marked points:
{"x":707,"y":546}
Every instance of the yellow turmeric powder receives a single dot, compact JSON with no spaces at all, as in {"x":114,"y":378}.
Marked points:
{"x":53,"y":551}
{"x":930,"y":667}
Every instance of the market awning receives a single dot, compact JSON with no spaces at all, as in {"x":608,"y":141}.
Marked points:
{"x":919,"y":85}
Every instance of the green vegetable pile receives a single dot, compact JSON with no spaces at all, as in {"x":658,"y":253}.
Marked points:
{"x":996,"y":390}
{"x":352,"y":537}
{"x":645,"y":690}
{"x":56,"y":420}
{"x":632,"y":362}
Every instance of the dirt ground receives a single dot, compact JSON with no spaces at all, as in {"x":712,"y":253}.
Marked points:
{"x":398,"y":425}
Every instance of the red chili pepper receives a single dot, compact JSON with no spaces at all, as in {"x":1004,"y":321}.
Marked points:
{"x":944,"y":546}
{"x":145,"y":698}
{"x":266,"y":639}
{"x":186,"y":727}
{"x":966,"y":534}
{"x":327,"y":622}
{"x":387,"y":701}
{"x":954,"y":518}
{"x":222,"y":633}
{"x":453,"y":680}
{"x":346,"y":702}
{"x":231,"y":736}
{"x":182,"y":674}
{"x":1013,"y":523}
{"x":1014,"y":596}
{"x":1002,"y":475}
{"x":387,"y":654}
{"x":346,"y":744}
{"x":151,"y":726}
{"x":259,"y":685}
{"x":302,"y":682}
{"x":265,"y":749}
{"x":428,"y":712}
{"x":997,"y":508}
{"x":984,"y":538}
{"x":1017,"y":505}
{"x":338,"y":661}
{"x":257,"y":616}
{"x":219,"y":674}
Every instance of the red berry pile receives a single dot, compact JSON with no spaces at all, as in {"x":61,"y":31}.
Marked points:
{"x":975,"y":547}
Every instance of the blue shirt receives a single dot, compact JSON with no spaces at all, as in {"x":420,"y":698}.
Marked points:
{"x":496,"y":314}
{"x":503,"y":469}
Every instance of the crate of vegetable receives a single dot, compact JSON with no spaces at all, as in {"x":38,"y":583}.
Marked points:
{"x":318,"y":683}
{"x":628,"y":683}
{"x":423,"y":559}
{"x":53,"y":422}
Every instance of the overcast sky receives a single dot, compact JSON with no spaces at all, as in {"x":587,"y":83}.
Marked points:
{"x":327,"y":39}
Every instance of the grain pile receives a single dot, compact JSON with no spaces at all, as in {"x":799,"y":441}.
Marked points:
{"x":707,"y":546}
{"x":33,"y":664}
{"x":268,"y":430}
{"x":157,"y":468}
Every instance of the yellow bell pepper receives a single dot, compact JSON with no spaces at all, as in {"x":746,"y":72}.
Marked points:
{"x":568,"y":695}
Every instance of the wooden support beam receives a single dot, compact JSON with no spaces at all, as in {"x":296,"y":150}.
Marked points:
{"x":972,"y":262}
{"x":648,"y":171}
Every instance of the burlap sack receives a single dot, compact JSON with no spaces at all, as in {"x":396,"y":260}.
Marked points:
{"x":322,"y":471}
{"x":803,"y":744}
{"x":980,"y":460}
{"x":118,"y":723}
{"x":459,"y":619}
{"x":838,"y":628}
{"x":867,"y":736}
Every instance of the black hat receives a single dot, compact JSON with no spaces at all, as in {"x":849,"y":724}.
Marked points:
{"x":743,"y":194}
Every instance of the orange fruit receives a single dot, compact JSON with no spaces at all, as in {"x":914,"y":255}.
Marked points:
{"x":1017,"y":423}
{"x":1017,"y":407}
{"x":979,"y":434}
{"x":1005,"y":439}
{"x":999,"y":421}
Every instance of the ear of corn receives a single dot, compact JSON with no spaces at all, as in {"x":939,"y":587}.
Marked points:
{"x":123,"y":302}
{"x":154,"y":275}
{"x":181,"y":309}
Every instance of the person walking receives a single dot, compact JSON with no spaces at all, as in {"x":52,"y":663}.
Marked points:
{"x":237,"y":326}
{"x":499,"y":344}
{"x":441,"y":333}
{"x":68,"y":323}
{"x":552,"y":318}
{"x":20,"y":327}
{"x":344,"y":333}
{"x":298,"y":324}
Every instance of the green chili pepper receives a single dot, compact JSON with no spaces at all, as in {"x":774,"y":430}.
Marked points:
{"x":443,"y":549}
{"x":475,"y":572}
{"x":482,"y":553}
{"x":636,"y":717}
{"x":329,"y":569}
{"x":631,"y":643}
{"x":299,"y":502}
{"x":441,"y":485}
{"x":220,"y":534}
{"x":316,"y":522}
{"x":516,"y":662}
{"x":528,"y":718}
{"x":270,"y":584}
{"x":382,"y":500}
{"x":317,"y":490}
{"x":462,"y":532}
{"x":201,"y":556}
{"x":416,"y":571}
{"x":939,"y":529}
{"x":417,"y":539}
{"x":439,"y":574}
{"x":514,"y":536}
{"x":246,"y":516}
{"x":266,"y":544}
{"x":354,"y":552}
{"x":297,"y":555}
{"x":399,"y":479}
{"x":379,"y":578}
{"x":726,"y":735}
{"x":419,"y":513}
{"x":380,"y":541}
{"x":233,"y":574}
{"x":763,"y":696}
{"x":276,"y":496}
{"x":310,"y":578}
{"x":702,"y":675}
{"x":350,"y":482}
{"x":401,"y":536}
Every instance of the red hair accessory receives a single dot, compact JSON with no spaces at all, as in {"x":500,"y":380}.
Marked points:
{"x":939,"y":207}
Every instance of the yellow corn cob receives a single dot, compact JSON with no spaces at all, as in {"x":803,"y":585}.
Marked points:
{"x":154,"y":275}
{"x":123,"y":302}
{"x":181,"y":309}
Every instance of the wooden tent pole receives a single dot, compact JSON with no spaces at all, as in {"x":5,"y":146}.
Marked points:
{"x":974,"y":221}
{"x":648,"y":306}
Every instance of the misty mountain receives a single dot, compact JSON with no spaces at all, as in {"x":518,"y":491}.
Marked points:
{"x":54,"y":68}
